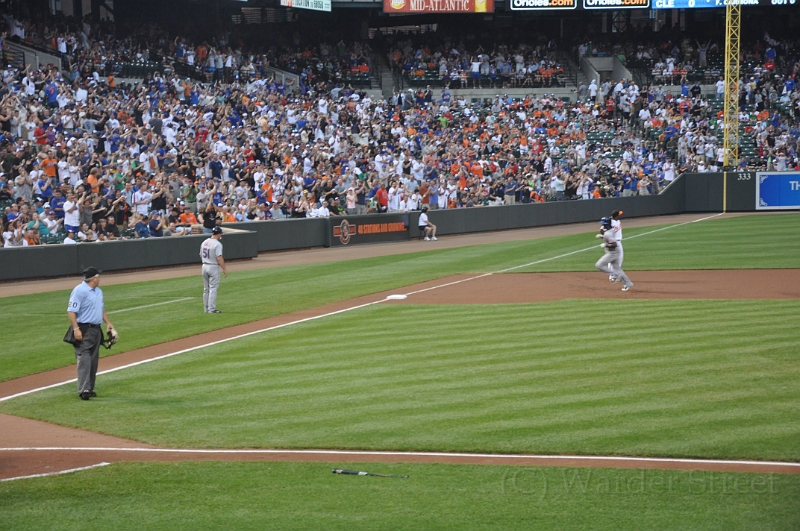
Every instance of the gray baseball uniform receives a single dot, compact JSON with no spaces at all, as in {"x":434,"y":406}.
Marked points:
{"x":209,"y":252}
{"x":616,"y":228}
{"x":611,"y":258}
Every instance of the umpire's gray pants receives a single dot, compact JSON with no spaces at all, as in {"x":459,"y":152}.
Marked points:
{"x":612,"y":259}
{"x":87,"y":354}
{"x":210,"y":285}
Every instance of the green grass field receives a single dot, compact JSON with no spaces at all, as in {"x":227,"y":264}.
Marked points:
{"x":306,"y":496}
{"x":40,"y":320}
{"x":662,"y":378}
{"x":495,"y":378}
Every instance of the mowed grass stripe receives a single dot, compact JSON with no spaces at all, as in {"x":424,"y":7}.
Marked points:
{"x":250,"y":295}
{"x":213,"y":495}
{"x":637,"y":380}
{"x":717,"y":243}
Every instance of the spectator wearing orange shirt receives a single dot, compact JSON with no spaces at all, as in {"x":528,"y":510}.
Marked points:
{"x":187,"y":218}
{"x":49,"y":164}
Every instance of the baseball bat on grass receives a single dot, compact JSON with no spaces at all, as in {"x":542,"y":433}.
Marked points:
{"x":359,"y":473}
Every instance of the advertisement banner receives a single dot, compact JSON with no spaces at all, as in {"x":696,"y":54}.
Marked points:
{"x":778,"y":191}
{"x":438,"y":6}
{"x":314,"y":5}
{"x":705,"y":4}
{"x":368,"y":229}
{"x":542,"y":5}
{"x":616,"y":4}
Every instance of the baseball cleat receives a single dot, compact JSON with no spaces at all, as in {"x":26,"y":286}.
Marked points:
{"x":214,"y":311}
{"x":625,"y":288}
{"x":611,"y":278}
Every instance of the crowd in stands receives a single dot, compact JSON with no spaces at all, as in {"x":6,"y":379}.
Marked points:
{"x":95,"y":48}
{"x":769,"y":102}
{"x":453,"y":65}
{"x":84,"y":159}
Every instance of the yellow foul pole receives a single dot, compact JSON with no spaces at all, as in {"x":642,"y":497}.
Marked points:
{"x":730,"y":125}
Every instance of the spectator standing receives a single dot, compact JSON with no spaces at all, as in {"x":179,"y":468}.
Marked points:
{"x":72,"y":214}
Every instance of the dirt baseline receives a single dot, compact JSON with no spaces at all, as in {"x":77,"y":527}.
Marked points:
{"x":31,"y":447}
{"x":539,"y":287}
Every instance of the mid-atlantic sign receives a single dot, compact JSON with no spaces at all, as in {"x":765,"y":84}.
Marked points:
{"x":777,"y":191}
{"x":438,"y":6}
{"x":369,"y":229}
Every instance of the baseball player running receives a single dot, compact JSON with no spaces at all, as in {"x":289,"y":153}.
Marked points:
{"x":611,"y":257}
{"x":211,"y":254}
{"x":616,"y":227}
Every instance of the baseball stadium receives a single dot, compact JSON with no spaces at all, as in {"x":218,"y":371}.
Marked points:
{"x":359,"y":282}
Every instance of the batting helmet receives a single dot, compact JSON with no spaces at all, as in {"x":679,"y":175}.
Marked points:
{"x":605,"y":223}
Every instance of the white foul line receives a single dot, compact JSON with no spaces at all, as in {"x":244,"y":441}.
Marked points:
{"x":190,"y":349}
{"x":596,"y":246}
{"x":56,"y":473}
{"x":198,"y":347}
{"x":555,"y":257}
{"x":151,"y":305}
{"x":377,"y":453}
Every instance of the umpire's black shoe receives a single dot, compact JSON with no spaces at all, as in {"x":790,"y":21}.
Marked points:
{"x":85,"y":395}
{"x":92,"y":394}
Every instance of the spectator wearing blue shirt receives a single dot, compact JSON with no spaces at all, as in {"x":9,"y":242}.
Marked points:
{"x":51,"y":92}
{"x":156,"y":225}
{"x":57,"y":203}
{"x":216,"y":167}
{"x":511,"y":192}
{"x":141,"y":229}
{"x":627,"y":185}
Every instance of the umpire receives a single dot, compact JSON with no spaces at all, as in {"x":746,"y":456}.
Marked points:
{"x":86,"y":313}
{"x":213,"y":262}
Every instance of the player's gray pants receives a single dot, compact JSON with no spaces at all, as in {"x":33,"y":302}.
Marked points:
{"x":611,"y":259}
{"x":86,"y":355}
{"x":210,"y":285}
{"x":618,"y":263}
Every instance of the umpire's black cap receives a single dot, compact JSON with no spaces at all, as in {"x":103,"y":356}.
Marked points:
{"x":90,"y":272}
{"x":216,"y":230}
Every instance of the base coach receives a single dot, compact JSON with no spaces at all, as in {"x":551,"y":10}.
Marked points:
{"x":86,"y":314}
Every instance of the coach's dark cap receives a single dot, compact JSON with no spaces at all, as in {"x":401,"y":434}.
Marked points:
{"x":216,"y":230}
{"x":90,"y":272}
